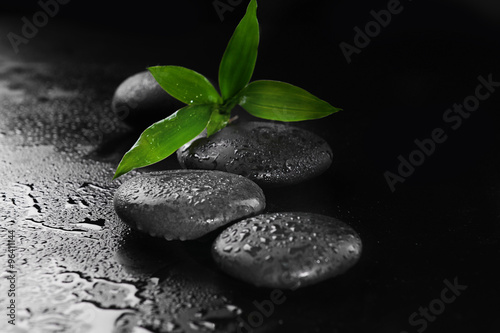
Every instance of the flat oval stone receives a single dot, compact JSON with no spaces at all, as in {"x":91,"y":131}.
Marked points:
{"x":286,"y":250}
{"x":186,"y":204}
{"x":270,"y":154}
{"x":140,"y":101}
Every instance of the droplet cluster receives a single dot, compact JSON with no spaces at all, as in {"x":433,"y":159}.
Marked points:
{"x":186,"y":204}
{"x":287,"y":250}
{"x":270,"y":154}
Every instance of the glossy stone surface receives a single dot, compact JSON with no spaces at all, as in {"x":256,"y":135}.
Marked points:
{"x":80,"y":269}
{"x":186,"y":204}
{"x":270,"y":154}
{"x":140,"y":101}
{"x":287,"y":250}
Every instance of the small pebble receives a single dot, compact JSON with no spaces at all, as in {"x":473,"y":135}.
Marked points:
{"x":270,"y":154}
{"x":140,"y":101}
{"x":186,"y":204}
{"x":286,"y":250}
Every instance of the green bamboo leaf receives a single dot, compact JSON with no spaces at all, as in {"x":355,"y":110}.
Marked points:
{"x":185,"y":84}
{"x":217,"y":122}
{"x":282,"y":101}
{"x":164,"y":137}
{"x":238,"y":62}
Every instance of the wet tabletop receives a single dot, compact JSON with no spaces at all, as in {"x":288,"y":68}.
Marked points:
{"x":430,"y":229}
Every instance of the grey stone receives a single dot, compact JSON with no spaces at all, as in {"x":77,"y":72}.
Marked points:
{"x":270,"y":154}
{"x":140,"y":101}
{"x":186,"y":204}
{"x":287,"y":250}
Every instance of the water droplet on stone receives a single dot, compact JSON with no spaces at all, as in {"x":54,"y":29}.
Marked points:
{"x":298,"y":249}
{"x":268,"y":153}
{"x":186,"y":204}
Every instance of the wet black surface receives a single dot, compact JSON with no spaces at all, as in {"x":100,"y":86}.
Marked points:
{"x":79,"y":269}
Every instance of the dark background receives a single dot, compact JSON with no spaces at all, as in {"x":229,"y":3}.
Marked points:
{"x":441,"y":223}
{"x":396,"y":90}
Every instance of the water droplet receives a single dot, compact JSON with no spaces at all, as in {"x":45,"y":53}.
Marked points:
{"x":202,"y":325}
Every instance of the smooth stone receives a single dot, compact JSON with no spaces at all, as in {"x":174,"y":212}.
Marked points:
{"x":270,"y":154}
{"x":186,"y":204}
{"x":140,"y":101}
{"x":286,"y":250}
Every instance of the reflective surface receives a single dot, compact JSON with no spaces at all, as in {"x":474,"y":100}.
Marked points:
{"x":79,"y":269}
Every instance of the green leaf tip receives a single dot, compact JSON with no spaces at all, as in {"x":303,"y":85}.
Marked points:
{"x":164,"y":137}
{"x":238,"y":62}
{"x":275,"y":100}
